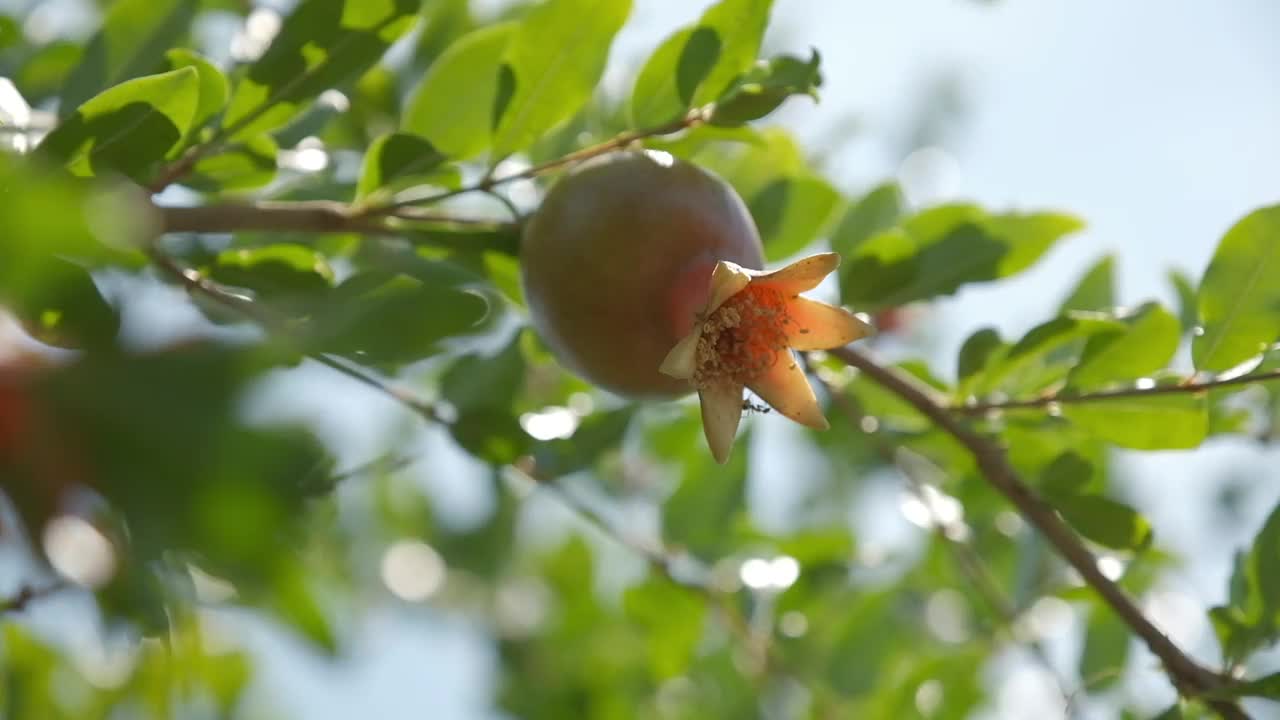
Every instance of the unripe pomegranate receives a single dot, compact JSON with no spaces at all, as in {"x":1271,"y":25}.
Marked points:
{"x":643,"y":274}
{"x":617,"y":262}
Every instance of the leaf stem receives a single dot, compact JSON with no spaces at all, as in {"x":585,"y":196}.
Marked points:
{"x":1189,"y":677}
{"x":311,"y":216}
{"x":982,"y":408}
{"x":28,"y":594}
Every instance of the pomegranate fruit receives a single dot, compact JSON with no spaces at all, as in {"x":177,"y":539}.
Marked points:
{"x":643,"y":274}
{"x":617,"y":262}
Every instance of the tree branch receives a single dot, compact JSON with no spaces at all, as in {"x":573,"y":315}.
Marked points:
{"x":982,"y":408}
{"x":314,"y":216}
{"x":1189,"y":677}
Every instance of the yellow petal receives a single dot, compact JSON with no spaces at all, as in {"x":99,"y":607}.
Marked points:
{"x":682,"y":360}
{"x":786,"y":388}
{"x":802,"y":275}
{"x":818,"y":326}
{"x":727,"y":279}
{"x":721,"y":413}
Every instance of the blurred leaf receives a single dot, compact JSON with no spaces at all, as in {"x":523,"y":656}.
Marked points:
{"x":453,"y":106}
{"x":1068,"y":474}
{"x":242,"y":165}
{"x":62,"y":306}
{"x":599,"y":433}
{"x":283,"y":275}
{"x":940,"y":249}
{"x":129,"y":128}
{"x":1146,"y":346}
{"x":1251,"y":619}
{"x":1096,"y":289}
{"x":1106,"y":649}
{"x":44,"y":72}
{"x":323,"y":44}
{"x":483,"y":390}
{"x":709,"y":498}
{"x":861,"y":647}
{"x":294,"y":600}
{"x":873,"y":213}
{"x":10,"y":32}
{"x":388,"y":320}
{"x":977,"y":354}
{"x":672,"y":618}
{"x":1188,"y":313}
{"x":1153,"y":422}
{"x":397,"y":161}
{"x":131,"y":42}
{"x":792,"y":212}
{"x":699,"y":63}
{"x":214,"y":88}
{"x":551,"y":66}
{"x":1104,"y":521}
{"x":765,"y":87}
{"x":1239,"y":297}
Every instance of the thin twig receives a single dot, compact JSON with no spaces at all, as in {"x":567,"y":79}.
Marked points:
{"x":982,"y":408}
{"x":488,"y":182}
{"x":1189,"y":677}
{"x":198,"y":284}
{"x":28,"y":594}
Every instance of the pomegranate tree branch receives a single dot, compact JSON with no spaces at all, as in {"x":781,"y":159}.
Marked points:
{"x":488,"y":182}
{"x":312,"y":216}
{"x":982,"y":408}
{"x":1189,"y":677}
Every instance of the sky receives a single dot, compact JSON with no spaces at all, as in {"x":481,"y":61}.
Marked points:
{"x":1154,"y":120}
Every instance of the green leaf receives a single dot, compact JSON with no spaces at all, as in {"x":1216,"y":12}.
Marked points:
{"x":395,"y":161}
{"x":242,"y":165}
{"x":941,"y":249}
{"x":1068,"y":474}
{"x":1251,"y":619}
{"x":765,"y":87}
{"x":1096,"y":289}
{"x":1146,"y":346}
{"x":1047,"y":352}
{"x":1152,"y":422}
{"x":598,"y":434}
{"x":1239,"y":297}
{"x":60,"y":305}
{"x":129,"y":128}
{"x":214,"y":88}
{"x":665,"y":86}
{"x":792,"y":212}
{"x":740,"y":25}
{"x":10,"y":32}
{"x":862,"y":646}
{"x":1106,"y":649}
{"x":1188,"y":313}
{"x":709,"y":497}
{"x":476,"y":381}
{"x":872,"y":214}
{"x":282,"y":274}
{"x":698,"y":64}
{"x":1104,"y":521}
{"x":977,"y":354}
{"x":131,"y":42}
{"x":551,"y":66}
{"x":389,"y":320}
{"x":453,"y":106}
{"x":672,"y":618}
{"x":323,"y":44}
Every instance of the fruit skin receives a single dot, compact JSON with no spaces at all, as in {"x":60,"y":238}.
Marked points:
{"x":618,"y":259}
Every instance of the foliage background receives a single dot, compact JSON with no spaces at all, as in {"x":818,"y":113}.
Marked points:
{"x":1109,"y":133}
